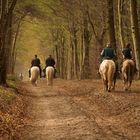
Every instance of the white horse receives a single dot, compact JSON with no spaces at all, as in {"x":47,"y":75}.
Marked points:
{"x":34,"y":75}
{"x":107,"y":70}
{"x":49,"y":75}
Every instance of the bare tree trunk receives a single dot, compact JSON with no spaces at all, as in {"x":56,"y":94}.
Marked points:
{"x":69,"y":63}
{"x":3,"y":30}
{"x":82,"y":54}
{"x":120,"y":10}
{"x":86,"y":44}
{"x":135,"y":31}
{"x":110,"y":23}
{"x":5,"y":26}
{"x":75,"y":53}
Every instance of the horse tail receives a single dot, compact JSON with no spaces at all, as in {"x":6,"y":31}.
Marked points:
{"x":129,"y":72}
{"x":110,"y":76}
{"x":50,"y":76}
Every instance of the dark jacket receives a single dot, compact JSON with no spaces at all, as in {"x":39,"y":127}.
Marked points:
{"x":50,"y":62}
{"x":35,"y":62}
{"x":127,"y":53}
{"x":108,"y":53}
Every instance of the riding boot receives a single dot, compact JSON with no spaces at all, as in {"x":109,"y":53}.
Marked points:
{"x":55,"y":72}
{"x":40,"y":73}
{"x":44,"y":72}
{"x":29,"y":73}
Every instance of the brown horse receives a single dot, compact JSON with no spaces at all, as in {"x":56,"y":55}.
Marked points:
{"x":107,"y":70}
{"x":128,"y":72}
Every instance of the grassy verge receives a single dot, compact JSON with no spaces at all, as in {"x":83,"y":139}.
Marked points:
{"x":12,"y":107}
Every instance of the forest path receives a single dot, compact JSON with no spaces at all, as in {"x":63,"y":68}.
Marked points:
{"x":78,"y":110}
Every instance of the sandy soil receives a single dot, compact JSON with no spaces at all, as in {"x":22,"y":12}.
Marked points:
{"x":80,"y":110}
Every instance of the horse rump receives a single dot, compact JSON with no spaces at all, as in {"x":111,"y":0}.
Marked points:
{"x":107,"y":70}
{"x":128,"y":72}
{"x":34,"y":75}
{"x":49,"y":75}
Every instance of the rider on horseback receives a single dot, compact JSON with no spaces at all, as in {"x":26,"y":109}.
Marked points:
{"x":108,"y":53}
{"x":35,"y":62}
{"x":50,"y":62}
{"x":127,"y":54}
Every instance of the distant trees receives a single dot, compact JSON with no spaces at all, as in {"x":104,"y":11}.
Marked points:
{"x":90,"y":28}
{"x":77,"y":31}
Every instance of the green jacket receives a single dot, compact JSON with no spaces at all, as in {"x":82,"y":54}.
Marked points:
{"x":108,"y":53}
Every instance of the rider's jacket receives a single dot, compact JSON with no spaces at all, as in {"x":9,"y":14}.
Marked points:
{"x":35,"y":62}
{"x":108,"y":53}
{"x":127,"y":53}
{"x":50,"y":62}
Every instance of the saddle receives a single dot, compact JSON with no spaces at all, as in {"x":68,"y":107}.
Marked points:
{"x":107,"y":58}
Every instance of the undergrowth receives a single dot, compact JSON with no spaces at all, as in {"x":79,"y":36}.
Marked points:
{"x":12,"y":106}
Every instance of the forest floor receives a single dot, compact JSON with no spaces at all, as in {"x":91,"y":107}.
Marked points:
{"x":80,"y":110}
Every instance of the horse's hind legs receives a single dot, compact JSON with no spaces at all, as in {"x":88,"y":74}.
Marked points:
{"x":129,"y":85}
{"x":105,"y":85}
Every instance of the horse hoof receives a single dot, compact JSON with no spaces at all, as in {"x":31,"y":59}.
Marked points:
{"x":109,"y":90}
{"x":126,"y":89}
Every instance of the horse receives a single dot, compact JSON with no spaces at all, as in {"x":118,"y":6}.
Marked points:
{"x":107,"y":71}
{"x":50,"y":75}
{"x":34,"y":75}
{"x":128,"y":72}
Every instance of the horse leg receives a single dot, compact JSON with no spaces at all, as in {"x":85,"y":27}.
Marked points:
{"x":126,"y":86}
{"x":105,"y":85}
{"x":114,"y":81}
{"x":109,"y":87}
{"x":110,"y":84}
{"x":47,"y":80}
{"x":35,"y":84}
{"x":129,"y":84}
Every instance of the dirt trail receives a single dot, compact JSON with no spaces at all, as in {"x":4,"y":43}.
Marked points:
{"x":79,"y":110}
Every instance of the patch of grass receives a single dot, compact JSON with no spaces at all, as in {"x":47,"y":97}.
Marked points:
{"x":11,"y":77}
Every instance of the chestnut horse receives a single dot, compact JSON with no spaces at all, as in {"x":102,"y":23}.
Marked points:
{"x":50,"y":75}
{"x":107,"y":70}
{"x":128,"y":72}
{"x":34,"y":75}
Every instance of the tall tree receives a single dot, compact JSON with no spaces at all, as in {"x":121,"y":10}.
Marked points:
{"x":135,"y":31}
{"x":120,"y":11}
{"x":6,"y":8}
{"x":110,"y":23}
